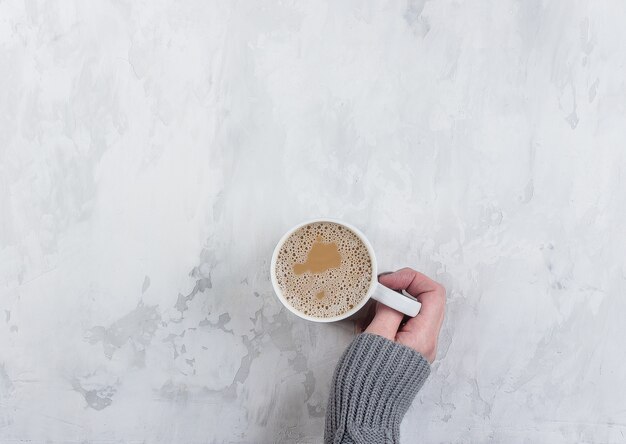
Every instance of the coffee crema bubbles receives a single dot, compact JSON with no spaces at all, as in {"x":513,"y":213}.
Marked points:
{"x":323,"y":269}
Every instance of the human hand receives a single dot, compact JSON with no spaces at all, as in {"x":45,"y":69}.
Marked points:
{"x":420,"y":333}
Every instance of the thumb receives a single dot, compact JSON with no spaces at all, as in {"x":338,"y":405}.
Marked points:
{"x":386,"y":322}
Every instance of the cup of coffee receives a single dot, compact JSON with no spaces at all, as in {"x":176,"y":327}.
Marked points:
{"x":325,"y":270}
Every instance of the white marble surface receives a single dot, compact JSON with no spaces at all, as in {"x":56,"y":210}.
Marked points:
{"x":151,"y":153}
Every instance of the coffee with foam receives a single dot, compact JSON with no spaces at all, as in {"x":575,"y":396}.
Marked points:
{"x":323,"y":269}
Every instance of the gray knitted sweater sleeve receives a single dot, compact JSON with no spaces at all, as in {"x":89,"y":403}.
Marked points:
{"x":374,"y":384}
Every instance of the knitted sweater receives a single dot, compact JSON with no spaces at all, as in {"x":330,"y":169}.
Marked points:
{"x":374,"y":384}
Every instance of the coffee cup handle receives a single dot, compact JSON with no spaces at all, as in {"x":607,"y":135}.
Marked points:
{"x":398,"y":301}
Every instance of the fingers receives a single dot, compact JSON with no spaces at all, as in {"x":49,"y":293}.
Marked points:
{"x":428,"y":292}
{"x":386,"y":322}
{"x":421,"y":332}
{"x":408,"y":279}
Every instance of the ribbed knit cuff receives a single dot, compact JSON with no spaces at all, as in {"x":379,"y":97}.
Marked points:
{"x":374,"y":384}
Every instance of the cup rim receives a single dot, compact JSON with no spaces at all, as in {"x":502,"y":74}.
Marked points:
{"x":348,"y":313}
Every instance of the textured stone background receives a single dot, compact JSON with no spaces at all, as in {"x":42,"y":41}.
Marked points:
{"x":151,"y":154}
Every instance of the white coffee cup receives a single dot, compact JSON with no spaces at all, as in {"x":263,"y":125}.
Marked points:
{"x":398,"y":301}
